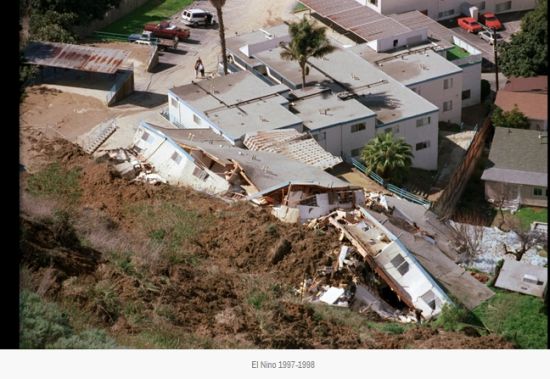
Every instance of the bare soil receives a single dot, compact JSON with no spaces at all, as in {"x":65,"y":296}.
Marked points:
{"x":227,"y":292}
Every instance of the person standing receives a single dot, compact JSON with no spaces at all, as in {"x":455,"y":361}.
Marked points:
{"x":198,"y":65}
{"x":201,"y":69}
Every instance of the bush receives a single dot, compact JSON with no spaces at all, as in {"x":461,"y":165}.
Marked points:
{"x":453,"y":317}
{"x":88,"y":339}
{"x":485,"y":89}
{"x":42,"y":323}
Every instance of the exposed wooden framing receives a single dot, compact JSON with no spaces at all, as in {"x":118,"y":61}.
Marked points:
{"x":368,"y":255}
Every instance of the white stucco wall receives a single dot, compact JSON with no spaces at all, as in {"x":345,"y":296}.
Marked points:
{"x":471,"y":80}
{"x":158,"y":151}
{"x":434,"y":92}
{"x":426,"y":158}
{"x":409,"y":38}
{"x":434,"y":7}
{"x":339,"y":140}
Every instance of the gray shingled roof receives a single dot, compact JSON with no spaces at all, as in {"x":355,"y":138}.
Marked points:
{"x":518,"y":156}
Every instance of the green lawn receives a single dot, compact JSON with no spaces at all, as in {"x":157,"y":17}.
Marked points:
{"x":151,"y":11}
{"x":456,"y":53}
{"x":518,"y":318}
{"x":528,"y":215}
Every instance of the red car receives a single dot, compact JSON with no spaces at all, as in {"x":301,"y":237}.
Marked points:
{"x":469,"y":24}
{"x":167,"y":30}
{"x":489,"y":20}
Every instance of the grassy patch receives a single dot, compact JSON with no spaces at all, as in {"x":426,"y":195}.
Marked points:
{"x":299,"y":7}
{"x":57,"y":182}
{"x":456,"y":53}
{"x":171,"y":227}
{"x":456,"y":318}
{"x":527,"y":216}
{"x":257,"y":299}
{"x":518,"y":318}
{"x":152,"y":11}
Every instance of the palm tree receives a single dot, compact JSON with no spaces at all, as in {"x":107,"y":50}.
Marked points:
{"x":308,"y":40}
{"x":386,"y":156}
{"x":218,"y":4}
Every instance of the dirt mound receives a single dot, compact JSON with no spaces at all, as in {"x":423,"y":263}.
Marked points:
{"x":231,"y":281}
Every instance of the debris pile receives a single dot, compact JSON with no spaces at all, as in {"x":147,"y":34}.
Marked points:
{"x":371,"y":265}
{"x":492,"y":249}
{"x":126,"y":164}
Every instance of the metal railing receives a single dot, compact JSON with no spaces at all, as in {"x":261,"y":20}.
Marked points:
{"x":110,"y":36}
{"x":390,"y":187}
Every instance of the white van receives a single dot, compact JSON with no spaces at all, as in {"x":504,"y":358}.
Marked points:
{"x":196,"y":17}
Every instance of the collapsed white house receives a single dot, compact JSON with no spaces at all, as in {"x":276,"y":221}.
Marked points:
{"x":296,"y":191}
{"x":391,"y":260}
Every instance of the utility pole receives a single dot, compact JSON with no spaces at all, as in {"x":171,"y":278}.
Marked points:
{"x":496,"y":58}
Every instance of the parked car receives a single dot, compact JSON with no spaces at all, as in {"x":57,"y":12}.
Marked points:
{"x":488,"y":36}
{"x":167,"y":30}
{"x":469,"y":24}
{"x":490,"y":20}
{"x":196,"y":17}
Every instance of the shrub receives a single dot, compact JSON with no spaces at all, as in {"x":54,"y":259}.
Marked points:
{"x":42,"y":323}
{"x":453,"y":318}
{"x":88,"y":339}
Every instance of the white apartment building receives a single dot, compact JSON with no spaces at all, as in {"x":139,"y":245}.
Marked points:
{"x":444,"y":9}
{"x":347,"y":100}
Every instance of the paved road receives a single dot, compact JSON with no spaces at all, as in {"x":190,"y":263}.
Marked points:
{"x":511,"y":22}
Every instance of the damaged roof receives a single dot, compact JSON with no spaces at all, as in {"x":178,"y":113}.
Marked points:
{"x":267,"y":170}
{"x":292,"y":144}
{"x":76,"y":57}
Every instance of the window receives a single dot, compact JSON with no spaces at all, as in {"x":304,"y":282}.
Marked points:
{"x":450,"y":12}
{"x":447,"y":106}
{"x":145,"y":136}
{"x":506,"y":6}
{"x":430,"y":299}
{"x":176,"y":157}
{"x":199,"y":173}
{"x":395,"y":41}
{"x":481,"y":5}
{"x":400,"y":264}
{"x":356,"y":152}
{"x":537,"y":191}
{"x":357,"y":127}
{"x":423,"y":121}
{"x":173,"y":102}
{"x":422,"y":145}
{"x":196,"y":119}
{"x":374,"y":2}
{"x":466,"y":94}
{"x":448,"y":83}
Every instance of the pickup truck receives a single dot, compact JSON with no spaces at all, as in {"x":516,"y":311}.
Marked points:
{"x":167,"y":30}
{"x":147,"y":38}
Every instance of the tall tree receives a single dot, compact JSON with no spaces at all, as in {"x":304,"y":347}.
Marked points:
{"x":510,"y":119}
{"x":218,"y":4}
{"x":387,"y":156}
{"x":308,"y":40}
{"x":527,"y":53}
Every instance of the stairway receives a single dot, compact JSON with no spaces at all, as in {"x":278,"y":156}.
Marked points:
{"x":98,"y":136}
